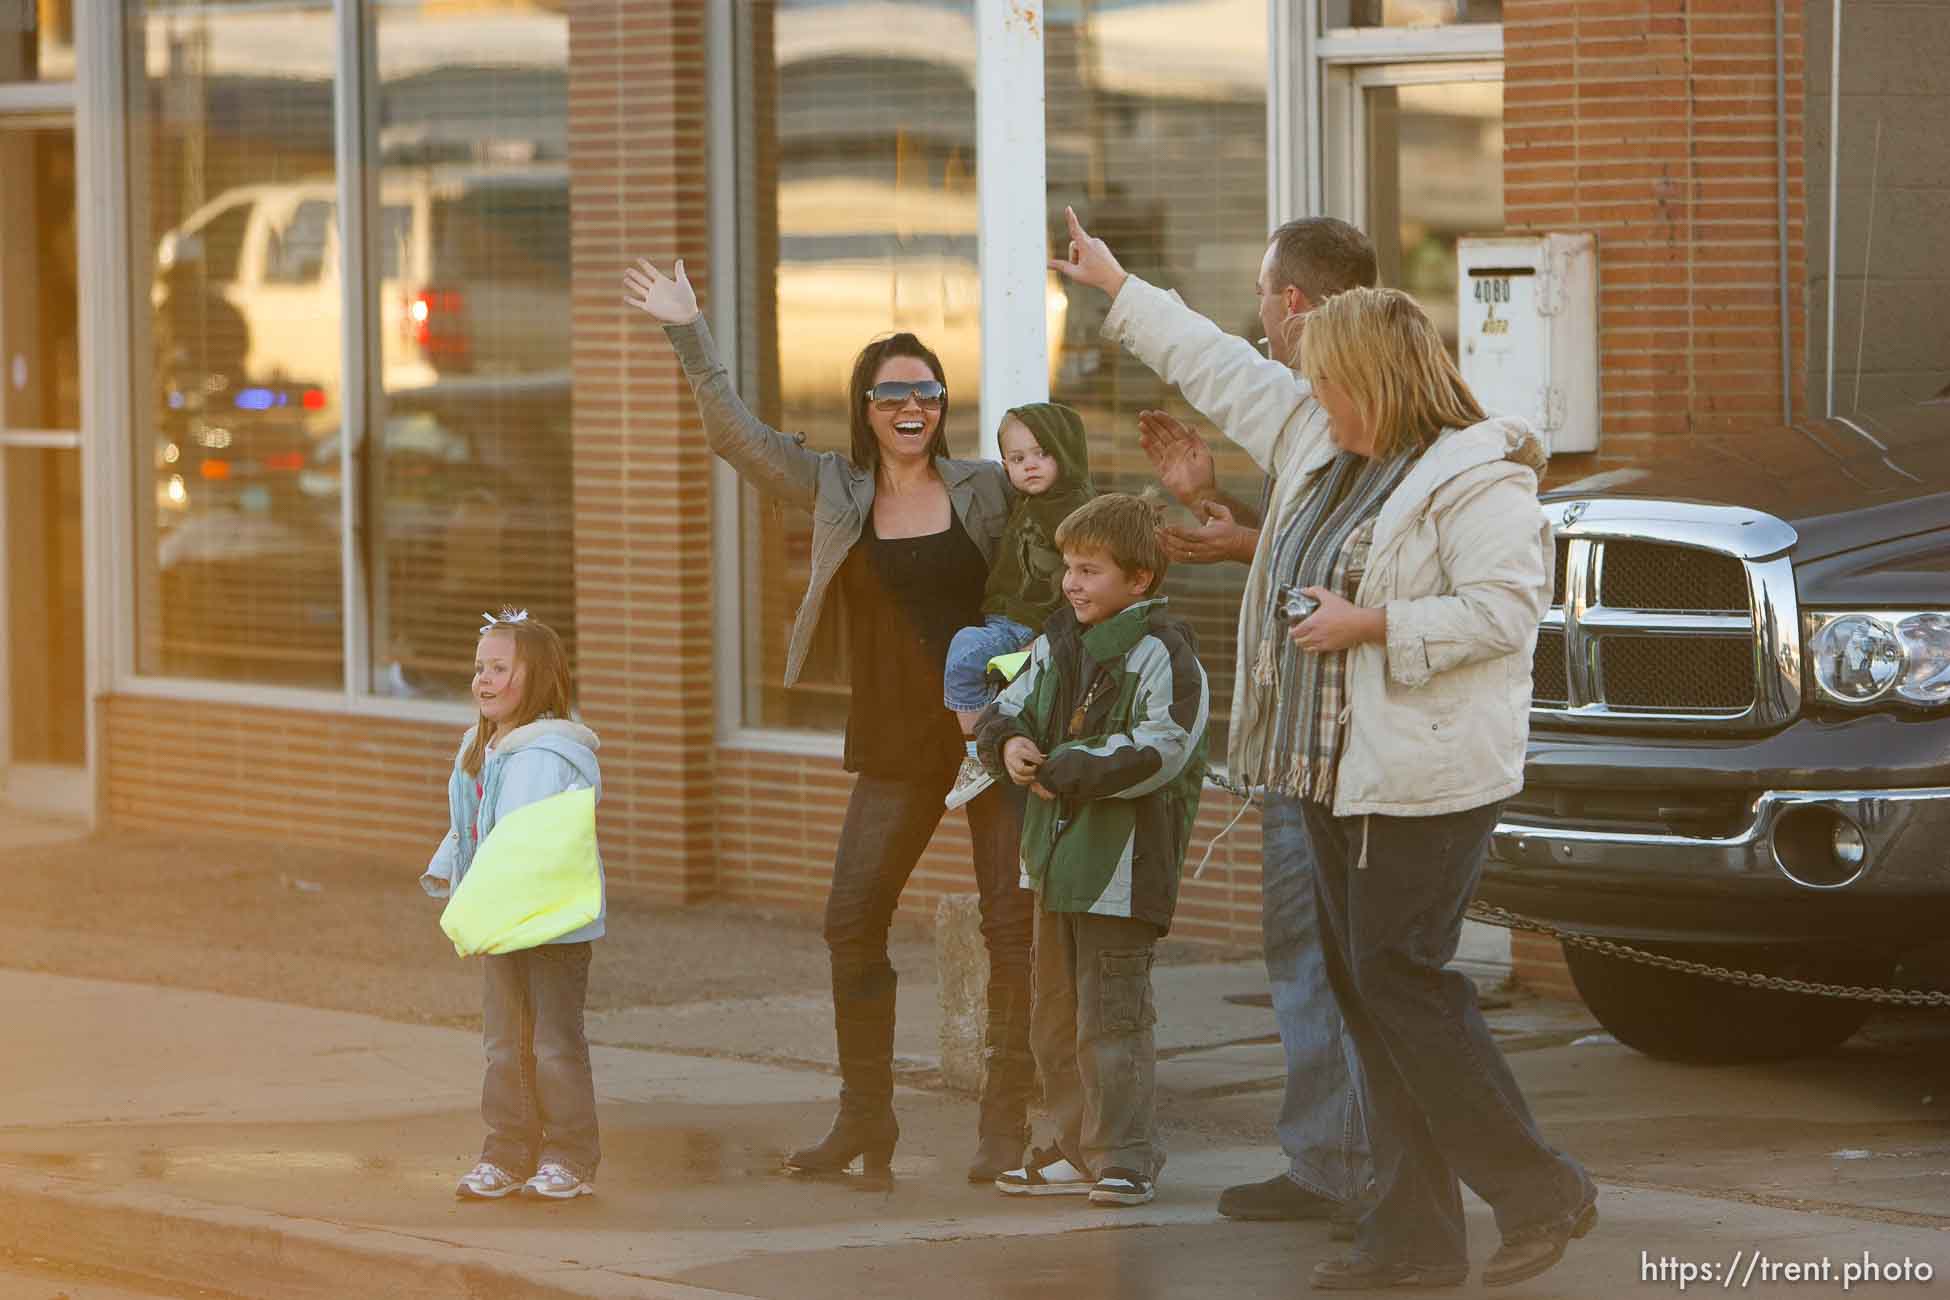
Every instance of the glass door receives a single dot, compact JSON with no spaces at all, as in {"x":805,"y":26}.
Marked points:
{"x":1417,"y":159}
{"x":43,"y":643}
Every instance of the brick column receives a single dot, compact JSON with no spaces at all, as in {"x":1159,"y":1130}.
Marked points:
{"x":638,"y":82}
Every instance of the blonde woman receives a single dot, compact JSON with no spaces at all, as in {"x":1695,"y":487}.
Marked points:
{"x":1402,"y":713}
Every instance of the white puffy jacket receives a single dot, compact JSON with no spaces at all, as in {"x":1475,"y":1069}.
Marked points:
{"x":1438,"y":716}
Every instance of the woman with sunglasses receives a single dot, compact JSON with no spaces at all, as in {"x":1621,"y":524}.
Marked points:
{"x":906,"y":534}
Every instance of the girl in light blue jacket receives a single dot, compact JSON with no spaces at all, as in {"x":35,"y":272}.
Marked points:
{"x":538,"y":1097}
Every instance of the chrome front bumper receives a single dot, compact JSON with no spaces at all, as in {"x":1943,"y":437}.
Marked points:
{"x":1906,"y":836}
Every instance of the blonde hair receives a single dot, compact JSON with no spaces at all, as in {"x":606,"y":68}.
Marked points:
{"x":547,"y":689}
{"x":1383,"y":351}
{"x":1122,"y":526}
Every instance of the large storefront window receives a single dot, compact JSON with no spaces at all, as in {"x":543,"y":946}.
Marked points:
{"x":238,"y":400}
{"x":463,"y":484}
{"x":470,"y":454}
{"x":856,"y":218}
{"x":1156,"y":130}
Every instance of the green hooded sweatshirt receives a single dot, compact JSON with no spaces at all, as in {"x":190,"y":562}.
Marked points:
{"x":1026,"y":579}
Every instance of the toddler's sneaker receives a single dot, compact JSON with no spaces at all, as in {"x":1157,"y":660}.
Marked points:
{"x":1122,"y":1187}
{"x":969,"y":782}
{"x":557,"y":1183}
{"x":486,"y":1182}
{"x":1045,"y":1173}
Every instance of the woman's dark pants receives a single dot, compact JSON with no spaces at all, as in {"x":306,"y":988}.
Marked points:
{"x":1440,"y":1100}
{"x":888,"y":825}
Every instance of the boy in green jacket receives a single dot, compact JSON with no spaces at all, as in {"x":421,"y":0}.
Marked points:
{"x":1106,"y":726}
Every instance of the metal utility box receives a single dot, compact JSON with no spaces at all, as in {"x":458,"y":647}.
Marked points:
{"x":1527,"y":333}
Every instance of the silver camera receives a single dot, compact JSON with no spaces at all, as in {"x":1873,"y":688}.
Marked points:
{"x":1296,"y":604}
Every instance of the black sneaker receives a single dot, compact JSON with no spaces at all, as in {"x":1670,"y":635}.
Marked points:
{"x":1122,"y":1187}
{"x":1278,"y":1197}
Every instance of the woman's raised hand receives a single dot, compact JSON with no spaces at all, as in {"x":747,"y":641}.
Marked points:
{"x":1090,"y":261}
{"x":669,"y":300}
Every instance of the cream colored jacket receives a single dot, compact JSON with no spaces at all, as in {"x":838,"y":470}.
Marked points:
{"x":1438,"y":716}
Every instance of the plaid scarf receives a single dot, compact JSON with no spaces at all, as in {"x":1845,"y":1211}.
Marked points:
{"x":1325,"y":544}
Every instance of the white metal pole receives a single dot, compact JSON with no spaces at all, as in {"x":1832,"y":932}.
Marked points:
{"x":1011,"y":190}
{"x":1834,"y":187}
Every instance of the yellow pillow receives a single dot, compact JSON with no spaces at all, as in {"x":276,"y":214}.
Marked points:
{"x":535,"y":878}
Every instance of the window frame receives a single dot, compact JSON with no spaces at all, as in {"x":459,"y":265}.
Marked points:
{"x":1333,"y":64}
{"x":1344,"y":144}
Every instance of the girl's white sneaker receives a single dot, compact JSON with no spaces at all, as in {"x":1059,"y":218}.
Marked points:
{"x":558,"y":1183}
{"x":486,"y":1182}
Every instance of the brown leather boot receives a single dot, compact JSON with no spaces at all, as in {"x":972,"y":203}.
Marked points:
{"x":1529,"y":1251}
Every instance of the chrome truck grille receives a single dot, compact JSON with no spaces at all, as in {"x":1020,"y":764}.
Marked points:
{"x":1666,"y":611}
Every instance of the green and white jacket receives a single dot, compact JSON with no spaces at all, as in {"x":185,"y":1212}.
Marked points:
{"x":1119,"y":710}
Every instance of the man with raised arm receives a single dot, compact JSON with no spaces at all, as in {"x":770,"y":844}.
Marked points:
{"x":1269,"y":410}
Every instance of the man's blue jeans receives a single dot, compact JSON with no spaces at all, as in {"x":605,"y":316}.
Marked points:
{"x":1320,"y":1126}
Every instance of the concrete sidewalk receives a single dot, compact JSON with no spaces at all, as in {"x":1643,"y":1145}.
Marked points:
{"x":267,"y":1150}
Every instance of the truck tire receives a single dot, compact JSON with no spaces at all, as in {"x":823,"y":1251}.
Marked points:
{"x":1680,"y":1017}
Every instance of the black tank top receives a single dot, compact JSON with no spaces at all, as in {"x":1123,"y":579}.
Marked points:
{"x":906,"y":597}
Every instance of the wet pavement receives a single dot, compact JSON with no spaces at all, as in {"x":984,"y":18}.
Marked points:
{"x":273,"y":1150}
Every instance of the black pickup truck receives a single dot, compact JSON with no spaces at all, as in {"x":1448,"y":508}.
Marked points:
{"x":1740,"y":731}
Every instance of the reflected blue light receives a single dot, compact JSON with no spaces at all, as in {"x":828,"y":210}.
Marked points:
{"x":259,"y":399}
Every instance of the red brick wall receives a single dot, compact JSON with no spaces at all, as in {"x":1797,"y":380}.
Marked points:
{"x":371,"y":784}
{"x":1651,"y":123}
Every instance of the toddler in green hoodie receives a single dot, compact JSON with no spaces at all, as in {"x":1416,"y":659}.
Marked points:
{"x":1045,"y":452}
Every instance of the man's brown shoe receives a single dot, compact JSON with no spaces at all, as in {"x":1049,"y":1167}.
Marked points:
{"x":1529,"y":1251}
{"x":1359,"y":1272}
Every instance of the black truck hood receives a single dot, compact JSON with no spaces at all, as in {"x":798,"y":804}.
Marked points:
{"x":1843,"y":484}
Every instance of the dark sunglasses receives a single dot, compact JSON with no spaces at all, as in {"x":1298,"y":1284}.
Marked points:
{"x":892,"y":394}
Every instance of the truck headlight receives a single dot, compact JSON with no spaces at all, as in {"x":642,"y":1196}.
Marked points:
{"x":1861,"y":658}
{"x":1926,"y":644}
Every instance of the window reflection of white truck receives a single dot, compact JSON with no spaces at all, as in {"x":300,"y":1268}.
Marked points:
{"x":473,"y":269}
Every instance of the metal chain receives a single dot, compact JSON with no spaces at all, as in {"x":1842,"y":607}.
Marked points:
{"x":1492,"y":915}
{"x":1498,"y":916}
